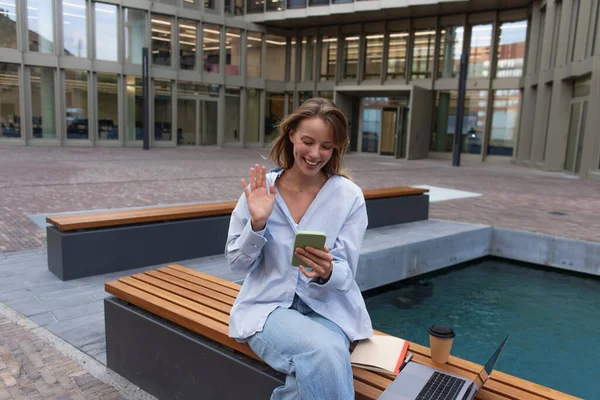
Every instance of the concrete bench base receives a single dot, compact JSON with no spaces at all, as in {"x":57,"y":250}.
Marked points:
{"x":171,"y":362}
{"x":90,"y":252}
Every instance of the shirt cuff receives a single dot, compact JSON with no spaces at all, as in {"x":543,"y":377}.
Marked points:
{"x":335,"y":280}
{"x":252,"y":242}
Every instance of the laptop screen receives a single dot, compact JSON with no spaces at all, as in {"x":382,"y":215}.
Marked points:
{"x":489,"y":366}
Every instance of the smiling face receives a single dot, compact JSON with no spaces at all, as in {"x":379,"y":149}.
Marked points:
{"x":313,"y":146}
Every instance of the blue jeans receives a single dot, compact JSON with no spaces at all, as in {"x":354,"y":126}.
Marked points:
{"x":310,"y":349}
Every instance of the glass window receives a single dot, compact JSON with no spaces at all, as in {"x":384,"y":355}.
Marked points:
{"x":479,"y":56}
{"x":309,"y":47}
{"x":210,"y":5}
{"x":318,"y":2}
{"x":252,"y":115}
{"x":303,"y":96}
{"x":511,"y":49}
{"x":187,"y":44}
{"x":373,"y":56}
{"x":423,"y":52}
{"x":197,"y":89}
{"x":451,"y":44}
{"x":76,"y":95}
{"x":8,"y":24}
{"x":274,"y":113}
{"x":236,"y":7}
{"x":445,"y":119}
{"x":10,"y":111}
{"x":328,"y":57}
{"x":135,"y":108}
{"x":505,"y":122}
{"x":296,"y":3}
{"x":106,"y":32}
{"x":232,"y":111}
{"x":290,"y":103}
{"x":351,"y":44}
{"x":135,"y":35}
{"x":396,"y":68}
{"x":276,"y":57}
{"x":43,"y":113}
{"x":75,"y":27}
{"x":108,"y":106}
{"x":162,"y":110}
{"x":191,"y":3}
{"x":255,"y":6}
{"x":293,"y":60}
{"x":211,"y":44}
{"x":161,"y":40}
{"x":41,"y":25}
{"x":233,"y":51}
{"x":254,"y":54}
{"x":474,"y":120}
{"x":326,"y":95}
{"x":274,"y":5}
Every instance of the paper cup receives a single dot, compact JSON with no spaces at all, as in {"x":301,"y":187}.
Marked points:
{"x":440,"y":342}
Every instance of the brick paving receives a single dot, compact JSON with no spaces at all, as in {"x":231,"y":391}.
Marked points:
{"x":35,"y":180}
{"x":30,"y":368}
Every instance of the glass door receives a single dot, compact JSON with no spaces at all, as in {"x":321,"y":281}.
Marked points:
{"x":186,"y":122}
{"x":576,"y":136}
{"x":208,"y":122}
{"x":389,"y":123}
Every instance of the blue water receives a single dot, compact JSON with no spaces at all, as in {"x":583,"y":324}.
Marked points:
{"x":553,"y":319}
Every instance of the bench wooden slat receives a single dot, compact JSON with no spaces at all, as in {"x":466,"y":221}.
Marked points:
{"x":188,"y":294}
{"x":199,"y":281}
{"x":102,"y":219}
{"x":204,"y":291}
{"x":178,"y":300}
{"x":171,"y":291}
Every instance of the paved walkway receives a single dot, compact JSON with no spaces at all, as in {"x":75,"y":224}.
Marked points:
{"x":39,"y":181}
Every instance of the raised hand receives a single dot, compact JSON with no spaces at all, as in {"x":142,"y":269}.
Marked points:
{"x":260,"y":201}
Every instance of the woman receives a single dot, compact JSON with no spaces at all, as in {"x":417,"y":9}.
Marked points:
{"x":301,"y":321}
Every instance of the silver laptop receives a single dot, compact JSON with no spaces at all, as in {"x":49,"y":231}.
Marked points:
{"x":420,"y":382}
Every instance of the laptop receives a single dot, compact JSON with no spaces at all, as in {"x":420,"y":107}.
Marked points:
{"x":420,"y":382}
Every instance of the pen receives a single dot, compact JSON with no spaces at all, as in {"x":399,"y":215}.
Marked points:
{"x":406,"y":360}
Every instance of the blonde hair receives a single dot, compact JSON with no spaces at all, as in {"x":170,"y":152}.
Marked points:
{"x":282,"y":150}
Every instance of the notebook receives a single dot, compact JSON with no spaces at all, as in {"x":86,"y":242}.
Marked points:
{"x":380,"y":353}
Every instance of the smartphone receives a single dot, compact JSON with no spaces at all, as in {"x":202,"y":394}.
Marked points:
{"x":307,"y":238}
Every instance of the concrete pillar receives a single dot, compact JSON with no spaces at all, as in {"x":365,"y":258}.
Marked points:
{"x":528,"y":111}
{"x":442,"y":137}
{"x":590,"y":158}
{"x":558,"y":125}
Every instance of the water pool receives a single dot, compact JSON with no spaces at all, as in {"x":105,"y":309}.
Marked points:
{"x":552,"y":317}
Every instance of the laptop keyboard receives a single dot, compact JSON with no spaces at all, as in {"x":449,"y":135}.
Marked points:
{"x":441,"y":387}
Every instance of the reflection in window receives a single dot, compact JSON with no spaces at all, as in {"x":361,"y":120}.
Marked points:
{"x":232,"y":111}
{"x":255,"y":6}
{"x":108,"y":106}
{"x":187,"y":44}
{"x":236,"y":7}
{"x":474,"y":120}
{"x":8,"y":24}
{"x":106,"y":32}
{"x":43,"y":99}
{"x":303,"y":96}
{"x":162,"y":110}
{"x":252,"y":115}
{"x":296,"y":3}
{"x":351,"y":44}
{"x":373,"y":56}
{"x":274,"y":113}
{"x":451,"y":45}
{"x":40,"y":25}
{"x":197,"y":89}
{"x":209,"y":5}
{"x":276,"y":57}
{"x":445,"y":119}
{"x":75,"y":27}
{"x":254,"y":56}
{"x":370,"y":130}
{"x":210,"y":43}
{"x":423,"y":51}
{"x":396,"y":68}
{"x":479,"y":56}
{"x":161,"y":40}
{"x":505,"y":122}
{"x":328,"y":57}
{"x":135,"y":108}
{"x":511,"y":49}
{"x":76,"y":95}
{"x":10,"y":115}
{"x":274,"y":5}
{"x":309,"y":47}
{"x":135,"y":35}
{"x":233,"y":51}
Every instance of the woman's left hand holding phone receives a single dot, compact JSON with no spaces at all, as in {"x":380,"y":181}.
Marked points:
{"x":321,"y":262}
{"x":260,"y":200}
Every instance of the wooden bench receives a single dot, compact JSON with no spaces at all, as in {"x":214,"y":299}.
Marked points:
{"x":88,"y":244}
{"x":201,"y":303}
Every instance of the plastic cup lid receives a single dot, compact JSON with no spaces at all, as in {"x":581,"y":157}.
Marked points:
{"x":441,"y":331}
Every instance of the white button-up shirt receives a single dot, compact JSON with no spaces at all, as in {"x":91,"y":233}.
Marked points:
{"x":265,"y":257}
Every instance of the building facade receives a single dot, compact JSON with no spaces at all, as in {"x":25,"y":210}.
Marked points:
{"x":224,"y":72}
